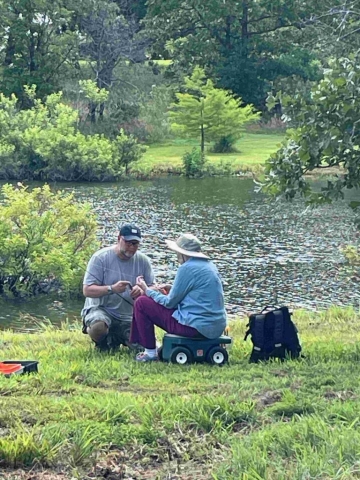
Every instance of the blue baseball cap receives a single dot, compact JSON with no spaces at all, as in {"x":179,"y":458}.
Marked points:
{"x":130,"y":232}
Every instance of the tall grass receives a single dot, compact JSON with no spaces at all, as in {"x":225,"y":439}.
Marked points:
{"x":86,"y":411}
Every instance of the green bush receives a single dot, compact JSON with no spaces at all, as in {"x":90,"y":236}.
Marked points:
{"x":43,"y":143}
{"x":46,"y":238}
{"x":194,"y":162}
{"x":224,"y":145}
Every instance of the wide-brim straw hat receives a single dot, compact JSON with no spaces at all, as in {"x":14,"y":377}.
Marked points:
{"x":187,"y":244}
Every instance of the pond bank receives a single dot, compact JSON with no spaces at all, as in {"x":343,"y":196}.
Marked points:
{"x":90,"y":415}
{"x":166,"y":159}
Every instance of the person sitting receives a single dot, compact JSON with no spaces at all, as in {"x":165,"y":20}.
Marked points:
{"x":193,"y":307}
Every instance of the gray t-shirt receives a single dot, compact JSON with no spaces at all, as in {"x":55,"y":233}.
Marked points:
{"x":106,"y":268}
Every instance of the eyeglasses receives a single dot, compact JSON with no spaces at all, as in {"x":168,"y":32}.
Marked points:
{"x":133,"y":243}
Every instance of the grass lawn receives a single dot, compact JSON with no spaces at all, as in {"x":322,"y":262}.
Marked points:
{"x":90,"y":415}
{"x":253,"y":150}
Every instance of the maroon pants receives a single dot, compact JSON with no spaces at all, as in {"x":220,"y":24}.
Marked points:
{"x":148,"y":313}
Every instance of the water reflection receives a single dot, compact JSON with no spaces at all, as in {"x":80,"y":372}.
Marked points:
{"x":267,"y":251}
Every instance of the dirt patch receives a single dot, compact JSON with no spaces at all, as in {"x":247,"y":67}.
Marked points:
{"x":33,"y":475}
{"x":146,"y":466}
{"x":342,"y":395}
{"x":112,"y":471}
{"x":268,"y":398}
{"x":167,"y":461}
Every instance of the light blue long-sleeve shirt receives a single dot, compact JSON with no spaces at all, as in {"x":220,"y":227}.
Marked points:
{"x":198,"y":297}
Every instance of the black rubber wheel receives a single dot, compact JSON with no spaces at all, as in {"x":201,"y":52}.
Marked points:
{"x":160,"y":353}
{"x":217,"y":356}
{"x":181,"y":356}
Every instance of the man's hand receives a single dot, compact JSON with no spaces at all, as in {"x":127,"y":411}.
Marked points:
{"x":120,"y":287}
{"x":136,"y":292}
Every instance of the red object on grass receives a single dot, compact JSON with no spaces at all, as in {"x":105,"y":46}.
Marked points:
{"x":6,"y":368}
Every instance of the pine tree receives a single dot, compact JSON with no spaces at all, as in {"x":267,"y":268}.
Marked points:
{"x":209,"y":111}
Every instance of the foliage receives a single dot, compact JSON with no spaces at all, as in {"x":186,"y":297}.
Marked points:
{"x":109,"y":38}
{"x":155,"y":113}
{"x":352,"y":255}
{"x":252,"y":75}
{"x":40,"y":41}
{"x":45,"y":240}
{"x":245,"y":45}
{"x":206,"y":110}
{"x":275,"y":421}
{"x":128,"y":150}
{"x":334,"y":31}
{"x":137,"y":102}
{"x":193,"y":162}
{"x":93,"y":93}
{"x":224,"y":145}
{"x":326,"y":134}
{"x":43,"y":143}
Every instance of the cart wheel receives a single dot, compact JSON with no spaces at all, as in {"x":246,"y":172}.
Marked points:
{"x":160,"y":353}
{"x":217,"y":356}
{"x":181,"y":355}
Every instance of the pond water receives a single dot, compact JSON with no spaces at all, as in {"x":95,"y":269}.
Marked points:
{"x":267,"y":251}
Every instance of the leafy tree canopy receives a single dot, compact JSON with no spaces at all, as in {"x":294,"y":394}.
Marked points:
{"x":241,"y":42}
{"x":40,"y":40}
{"x":325,"y":134}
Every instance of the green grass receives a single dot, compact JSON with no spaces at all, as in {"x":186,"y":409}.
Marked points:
{"x":85,"y":412}
{"x":253,"y":150}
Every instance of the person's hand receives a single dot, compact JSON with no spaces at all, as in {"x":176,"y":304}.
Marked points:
{"x":161,"y":287}
{"x":120,"y":287}
{"x":136,"y":292}
{"x":165,"y":288}
{"x":141,"y":283}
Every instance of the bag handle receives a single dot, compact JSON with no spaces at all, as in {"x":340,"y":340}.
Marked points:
{"x":273,"y":307}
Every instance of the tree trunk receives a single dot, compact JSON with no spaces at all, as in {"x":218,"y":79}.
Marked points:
{"x":245,"y":21}
{"x":32,"y":63}
{"x":202,"y":143}
{"x":10,"y":50}
{"x":202,"y":139}
{"x":228,"y":40}
{"x":92,"y":110}
{"x":101,"y":110}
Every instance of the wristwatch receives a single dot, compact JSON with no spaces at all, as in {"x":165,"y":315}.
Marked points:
{"x":109,"y":289}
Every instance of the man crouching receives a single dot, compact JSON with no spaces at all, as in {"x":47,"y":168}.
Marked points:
{"x":110,"y":289}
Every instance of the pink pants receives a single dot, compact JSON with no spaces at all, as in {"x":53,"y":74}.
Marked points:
{"x":147,"y":313}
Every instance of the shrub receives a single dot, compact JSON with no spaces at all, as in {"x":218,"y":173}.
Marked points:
{"x":43,"y":143}
{"x":194,"y":162}
{"x":224,"y":145}
{"x":46,"y":238}
{"x":219,"y":169}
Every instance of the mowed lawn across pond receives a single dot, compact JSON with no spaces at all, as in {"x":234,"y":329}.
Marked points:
{"x":91,"y":415}
{"x":252,"y":151}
